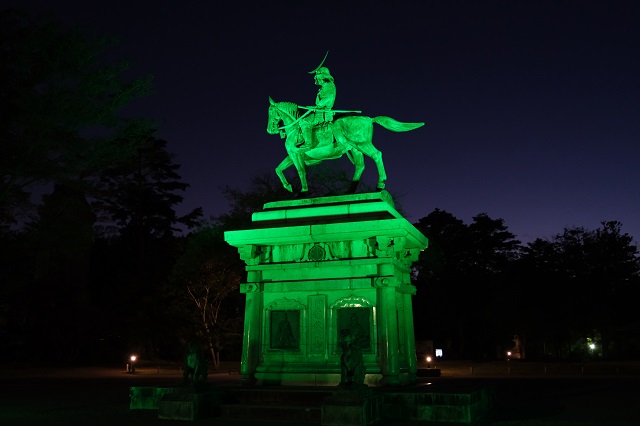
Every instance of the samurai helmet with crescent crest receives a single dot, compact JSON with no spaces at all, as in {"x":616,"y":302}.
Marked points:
{"x":322,"y":74}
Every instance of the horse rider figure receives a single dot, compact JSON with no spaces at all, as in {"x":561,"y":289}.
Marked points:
{"x":322,"y":113}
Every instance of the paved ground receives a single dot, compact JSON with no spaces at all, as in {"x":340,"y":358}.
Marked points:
{"x":527,"y":394}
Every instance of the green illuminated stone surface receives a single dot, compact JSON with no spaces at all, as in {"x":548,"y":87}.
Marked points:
{"x":318,"y":267}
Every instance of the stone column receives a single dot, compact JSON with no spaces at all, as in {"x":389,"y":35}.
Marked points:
{"x":410,"y":340}
{"x":252,"y":331}
{"x":388,"y":330}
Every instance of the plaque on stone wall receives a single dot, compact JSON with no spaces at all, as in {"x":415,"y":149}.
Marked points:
{"x":357,"y":323}
{"x":285,"y":329}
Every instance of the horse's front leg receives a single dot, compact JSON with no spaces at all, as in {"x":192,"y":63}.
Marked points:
{"x":298,"y":162}
{"x":284,"y":165}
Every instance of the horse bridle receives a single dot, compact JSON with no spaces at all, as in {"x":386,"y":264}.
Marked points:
{"x":295,"y":120}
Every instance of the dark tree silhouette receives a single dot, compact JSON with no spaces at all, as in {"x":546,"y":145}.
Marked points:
{"x":136,"y":202}
{"x":57,"y":312}
{"x":460,"y":278}
{"x":205,"y":291}
{"x":60,"y":107}
{"x":586,"y":284}
{"x":140,"y":196}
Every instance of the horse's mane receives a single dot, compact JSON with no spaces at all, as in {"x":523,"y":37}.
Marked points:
{"x":289,"y":107}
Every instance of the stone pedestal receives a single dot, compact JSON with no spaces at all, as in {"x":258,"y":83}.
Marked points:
{"x":188,"y":404}
{"x":352,"y":407}
{"x":146,"y":397}
{"x":179,"y":406}
{"x":322,"y":267}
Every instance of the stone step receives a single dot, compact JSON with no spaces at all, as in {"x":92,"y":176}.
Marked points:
{"x":292,"y":404}
{"x":281,"y":396}
{"x":302,"y":414}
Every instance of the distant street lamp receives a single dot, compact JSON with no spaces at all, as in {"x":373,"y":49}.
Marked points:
{"x":131,"y":367}
{"x":428,"y":359}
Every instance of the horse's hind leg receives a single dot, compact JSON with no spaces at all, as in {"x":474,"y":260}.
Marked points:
{"x":284,"y":165}
{"x":376,"y":156}
{"x":358,"y":161}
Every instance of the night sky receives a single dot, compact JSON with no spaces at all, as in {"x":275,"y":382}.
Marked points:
{"x":531,"y":108}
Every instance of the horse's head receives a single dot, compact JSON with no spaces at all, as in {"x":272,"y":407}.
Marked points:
{"x":287,"y":112}
{"x":275,"y":116}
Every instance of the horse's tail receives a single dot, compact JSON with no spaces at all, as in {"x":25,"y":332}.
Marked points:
{"x":394,"y":125}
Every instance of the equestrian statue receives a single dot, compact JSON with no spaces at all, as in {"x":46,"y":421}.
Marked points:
{"x":316,"y":133}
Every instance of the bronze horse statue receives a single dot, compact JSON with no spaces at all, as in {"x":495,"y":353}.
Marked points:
{"x":351,"y":135}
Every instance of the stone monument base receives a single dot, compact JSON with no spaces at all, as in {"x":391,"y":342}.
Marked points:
{"x":453,"y":404}
{"x":188,"y":404}
{"x":438,"y":403}
{"x":319,"y":270}
{"x":147,"y":397}
{"x":352,"y":406}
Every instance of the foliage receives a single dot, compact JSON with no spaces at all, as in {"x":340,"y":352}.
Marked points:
{"x":587,"y":282}
{"x":16,"y":260}
{"x":477,"y":287}
{"x":205,"y":282}
{"x":57,"y":290}
{"x":62,"y":127}
{"x":60,"y":107}
{"x":139,"y":195}
{"x":136,"y":204}
{"x":466,"y":266}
